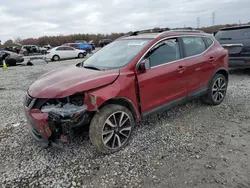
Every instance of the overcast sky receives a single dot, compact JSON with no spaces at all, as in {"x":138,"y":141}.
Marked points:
{"x":35,"y":18}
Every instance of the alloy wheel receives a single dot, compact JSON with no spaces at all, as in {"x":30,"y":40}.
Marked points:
{"x":116,"y":130}
{"x":219,"y":89}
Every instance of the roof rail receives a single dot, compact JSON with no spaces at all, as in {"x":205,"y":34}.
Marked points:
{"x":184,"y":28}
{"x":154,"y":30}
{"x":188,"y":30}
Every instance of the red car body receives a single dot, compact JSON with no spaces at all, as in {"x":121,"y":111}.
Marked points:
{"x":143,"y":92}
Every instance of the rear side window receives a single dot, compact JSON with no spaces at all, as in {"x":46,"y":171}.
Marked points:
{"x":208,"y":41}
{"x":193,"y":46}
{"x":60,"y":49}
{"x":164,"y":52}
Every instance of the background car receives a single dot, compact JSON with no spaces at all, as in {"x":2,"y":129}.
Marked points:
{"x":237,"y":41}
{"x":81,"y":46}
{"x":92,"y":44}
{"x":47,"y":47}
{"x":64,"y":52}
{"x":31,"y":49}
{"x":12,"y":49}
{"x":12,"y":58}
{"x":104,"y":42}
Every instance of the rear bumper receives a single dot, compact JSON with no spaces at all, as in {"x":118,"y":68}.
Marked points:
{"x":239,"y":62}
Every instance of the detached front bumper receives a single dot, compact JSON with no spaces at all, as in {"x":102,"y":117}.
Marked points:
{"x":238,"y":62}
{"x":38,"y":126}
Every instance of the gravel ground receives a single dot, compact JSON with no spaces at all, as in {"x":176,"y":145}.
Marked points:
{"x":192,"y":145}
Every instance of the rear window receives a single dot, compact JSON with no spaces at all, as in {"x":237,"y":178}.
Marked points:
{"x":233,"y":34}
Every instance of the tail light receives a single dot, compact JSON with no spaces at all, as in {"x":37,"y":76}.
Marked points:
{"x":48,"y":52}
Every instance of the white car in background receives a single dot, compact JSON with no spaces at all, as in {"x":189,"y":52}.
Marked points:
{"x":64,"y":52}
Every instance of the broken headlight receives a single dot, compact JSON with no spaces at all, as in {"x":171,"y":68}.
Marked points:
{"x":67,"y":107}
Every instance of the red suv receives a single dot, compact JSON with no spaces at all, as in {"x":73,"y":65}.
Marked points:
{"x":124,"y":82}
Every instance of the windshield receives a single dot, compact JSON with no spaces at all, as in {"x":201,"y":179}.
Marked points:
{"x":233,"y":34}
{"x":117,"y":54}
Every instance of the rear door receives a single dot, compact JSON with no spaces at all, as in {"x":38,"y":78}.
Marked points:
{"x":194,"y":48}
{"x":166,"y":79}
{"x":61,"y":52}
{"x":70,"y":52}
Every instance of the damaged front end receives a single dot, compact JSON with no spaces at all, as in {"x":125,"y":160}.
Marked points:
{"x":54,"y":120}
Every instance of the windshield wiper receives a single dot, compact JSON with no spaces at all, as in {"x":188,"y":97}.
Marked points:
{"x":91,"y":67}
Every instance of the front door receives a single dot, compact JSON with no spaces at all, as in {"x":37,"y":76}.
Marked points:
{"x":166,"y":79}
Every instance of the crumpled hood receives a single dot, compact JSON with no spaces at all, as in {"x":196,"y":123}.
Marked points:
{"x":70,"y":80}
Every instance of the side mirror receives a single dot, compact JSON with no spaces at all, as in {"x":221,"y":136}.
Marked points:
{"x":144,"y":65}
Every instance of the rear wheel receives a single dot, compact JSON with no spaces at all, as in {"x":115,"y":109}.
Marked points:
{"x":216,"y":90}
{"x":43,"y":52}
{"x":11,"y":62}
{"x":80,"y":55}
{"x":25,"y":53}
{"x":111,"y":128}
{"x":55,"y":58}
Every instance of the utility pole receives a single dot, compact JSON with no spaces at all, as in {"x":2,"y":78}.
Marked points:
{"x":213,"y":18}
{"x":239,"y":22}
{"x":198,"y":22}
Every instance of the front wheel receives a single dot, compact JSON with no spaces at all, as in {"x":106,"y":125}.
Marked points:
{"x":216,"y":90}
{"x":111,"y":128}
{"x":56,"y":58}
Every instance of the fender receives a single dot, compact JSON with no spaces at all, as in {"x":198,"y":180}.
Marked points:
{"x":222,"y":70}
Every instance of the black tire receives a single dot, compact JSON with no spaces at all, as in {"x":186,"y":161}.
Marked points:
{"x":80,"y":55}
{"x":99,"y":128}
{"x":26,"y":53}
{"x":211,"y":98}
{"x":44,"y":52}
{"x":55,"y":58}
{"x":11,"y":62}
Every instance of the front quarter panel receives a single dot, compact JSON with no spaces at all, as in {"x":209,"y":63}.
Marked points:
{"x":123,"y":88}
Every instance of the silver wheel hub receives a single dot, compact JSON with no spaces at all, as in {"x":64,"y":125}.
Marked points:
{"x":219,"y":89}
{"x":116,"y":130}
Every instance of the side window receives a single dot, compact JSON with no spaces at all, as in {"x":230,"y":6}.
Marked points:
{"x":208,"y":41}
{"x":164,"y":52}
{"x":193,"y":45}
{"x":68,"y":48}
{"x":60,"y":49}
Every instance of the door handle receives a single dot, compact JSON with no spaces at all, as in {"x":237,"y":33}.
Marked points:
{"x":181,"y":68}
{"x":211,"y":59}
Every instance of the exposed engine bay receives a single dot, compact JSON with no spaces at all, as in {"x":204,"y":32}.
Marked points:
{"x":64,"y":115}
